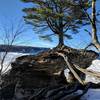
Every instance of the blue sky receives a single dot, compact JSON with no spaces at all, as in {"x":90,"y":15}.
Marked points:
{"x":11,"y":10}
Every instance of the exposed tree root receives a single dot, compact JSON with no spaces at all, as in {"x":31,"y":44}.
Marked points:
{"x":85,"y":71}
{"x":90,"y":72}
{"x":70,"y":68}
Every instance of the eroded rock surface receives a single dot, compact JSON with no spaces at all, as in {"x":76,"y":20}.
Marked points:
{"x":41,"y":77}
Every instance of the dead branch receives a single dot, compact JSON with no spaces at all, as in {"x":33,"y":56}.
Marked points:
{"x":10,"y":36}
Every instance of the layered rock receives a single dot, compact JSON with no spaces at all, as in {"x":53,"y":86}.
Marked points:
{"x":41,"y":77}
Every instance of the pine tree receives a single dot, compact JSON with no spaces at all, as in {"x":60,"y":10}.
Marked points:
{"x":57,"y":15}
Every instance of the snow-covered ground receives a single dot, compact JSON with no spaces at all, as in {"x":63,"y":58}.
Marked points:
{"x":93,"y":94}
{"x":10,"y":57}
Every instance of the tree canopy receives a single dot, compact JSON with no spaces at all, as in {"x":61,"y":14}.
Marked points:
{"x":56,"y":15}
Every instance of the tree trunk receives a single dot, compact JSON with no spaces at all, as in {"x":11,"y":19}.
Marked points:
{"x":61,"y":40}
{"x":94,"y":28}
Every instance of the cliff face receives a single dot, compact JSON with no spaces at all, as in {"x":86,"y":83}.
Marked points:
{"x":28,"y":80}
{"x":41,"y":77}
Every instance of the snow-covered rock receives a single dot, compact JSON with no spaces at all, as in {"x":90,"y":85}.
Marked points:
{"x":92,"y":94}
{"x":95,"y":66}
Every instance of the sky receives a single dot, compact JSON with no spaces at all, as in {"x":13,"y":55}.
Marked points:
{"x":11,"y":11}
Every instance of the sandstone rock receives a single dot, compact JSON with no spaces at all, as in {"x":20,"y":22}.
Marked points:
{"x":41,"y":77}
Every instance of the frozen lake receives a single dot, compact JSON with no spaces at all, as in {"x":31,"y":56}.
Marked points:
{"x":10,"y":57}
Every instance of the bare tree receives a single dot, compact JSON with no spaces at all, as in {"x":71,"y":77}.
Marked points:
{"x":9,"y":37}
{"x":95,"y":40}
{"x":93,"y":22}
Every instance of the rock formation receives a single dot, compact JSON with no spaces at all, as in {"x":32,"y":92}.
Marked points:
{"x":41,"y":77}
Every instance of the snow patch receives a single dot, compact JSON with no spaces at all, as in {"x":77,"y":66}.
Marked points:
{"x":95,"y":66}
{"x":10,"y":57}
{"x":92,"y":94}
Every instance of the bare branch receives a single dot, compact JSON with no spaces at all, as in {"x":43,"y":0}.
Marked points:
{"x":11,"y":34}
{"x":91,"y":44}
{"x":88,"y":32}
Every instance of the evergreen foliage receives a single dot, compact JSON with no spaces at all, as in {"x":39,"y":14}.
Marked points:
{"x":56,"y":15}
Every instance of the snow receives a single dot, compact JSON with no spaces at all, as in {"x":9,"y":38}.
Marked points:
{"x":93,"y":94}
{"x":95,"y":66}
{"x":10,"y":57}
